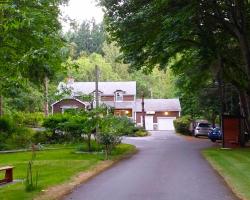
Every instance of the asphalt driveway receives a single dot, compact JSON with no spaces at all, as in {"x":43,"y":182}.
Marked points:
{"x":167,"y":167}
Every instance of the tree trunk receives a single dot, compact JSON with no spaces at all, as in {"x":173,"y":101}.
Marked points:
{"x":244,"y":110}
{"x":244,"y":107}
{"x":1,"y":105}
{"x":89,"y":142}
{"x":46,"y":98}
{"x":246,"y":53}
{"x":106,"y":152}
{"x":213,"y":119}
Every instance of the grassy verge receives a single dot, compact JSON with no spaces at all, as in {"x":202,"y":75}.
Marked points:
{"x":233,"y":166}
{"x":54,"y":167}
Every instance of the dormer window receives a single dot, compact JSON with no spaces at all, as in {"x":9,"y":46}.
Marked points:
{"x":119,"y":96}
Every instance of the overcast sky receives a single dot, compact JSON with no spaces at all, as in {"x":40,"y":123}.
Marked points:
{"x":82,"y":9}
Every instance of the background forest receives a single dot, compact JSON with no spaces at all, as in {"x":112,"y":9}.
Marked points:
{"x":87,"y":46}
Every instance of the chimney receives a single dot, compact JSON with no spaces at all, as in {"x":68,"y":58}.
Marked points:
{"x":70,"y":80}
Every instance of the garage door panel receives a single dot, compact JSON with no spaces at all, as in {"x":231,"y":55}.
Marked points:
{"x":166,"y":123}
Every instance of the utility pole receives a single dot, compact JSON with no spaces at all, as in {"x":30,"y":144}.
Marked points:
{"x":96,"y":86}
{"x":143,"y":111}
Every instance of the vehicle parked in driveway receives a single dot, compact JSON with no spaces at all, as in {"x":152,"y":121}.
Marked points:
{"x":215,"y":134}
{"x":202,"y":129}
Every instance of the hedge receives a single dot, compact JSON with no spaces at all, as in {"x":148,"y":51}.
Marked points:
{"x":29,"y":119}
{"x":182,"y":125}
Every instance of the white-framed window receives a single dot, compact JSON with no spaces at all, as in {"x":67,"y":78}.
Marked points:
{"x":119,"y":96}
{"x":64,"y":108}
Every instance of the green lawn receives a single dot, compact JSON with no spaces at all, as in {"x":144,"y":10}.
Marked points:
{"x":54,"y":167}
{"x":234,"y":166}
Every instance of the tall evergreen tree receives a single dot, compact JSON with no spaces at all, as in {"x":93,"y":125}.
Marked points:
{"x":88,"y":37}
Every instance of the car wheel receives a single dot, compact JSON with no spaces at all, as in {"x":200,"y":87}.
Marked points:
{"x":196,"y":136}
{"x":213,"y":140}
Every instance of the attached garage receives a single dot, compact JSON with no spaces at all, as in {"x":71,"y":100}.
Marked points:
{"x":159,"y":113}
{"x":166,"y":123}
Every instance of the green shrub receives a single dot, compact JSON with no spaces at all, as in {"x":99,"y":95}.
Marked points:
{"x":136,"y":128}
{"x":42,"y":137}
{"x":20,"y":138}
{"x":3,"y":138}
{"x":52,"y":122}
{"x":6,"y":129}
{"x":70,"y":127}
{"x":141,"y":133}
{"x":110,"y":129}
{"x":6,"y":124}
{"x":29,"y":119}
{"x":125,"y":125}
{"x":109,"y":142}
{"x":95,"y":146}
{"x":182,"y":125}
{"x":13,"y":135}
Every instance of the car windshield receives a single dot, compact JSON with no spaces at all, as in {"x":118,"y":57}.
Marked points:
{"x":205,"y":125}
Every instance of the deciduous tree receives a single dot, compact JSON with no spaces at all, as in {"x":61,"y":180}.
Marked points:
{"x":30,"y":41}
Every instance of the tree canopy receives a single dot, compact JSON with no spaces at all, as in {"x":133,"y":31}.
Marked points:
{"x":88,"y":37}
{"x":31,"y":46}
{"x":204,"y":42}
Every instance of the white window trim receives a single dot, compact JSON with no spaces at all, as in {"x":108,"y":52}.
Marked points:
{"x":121,"y":93}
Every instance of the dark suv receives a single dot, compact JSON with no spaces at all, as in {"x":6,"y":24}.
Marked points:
{"x":215,"y":134}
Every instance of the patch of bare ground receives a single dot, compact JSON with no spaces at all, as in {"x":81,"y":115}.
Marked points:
{"x":188,"y":137}
{"x":192,"y":138}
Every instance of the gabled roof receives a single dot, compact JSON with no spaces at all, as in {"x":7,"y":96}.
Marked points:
{"x":158,"y":105}
{"x":106,"y":88}
{"x":82,"y":102}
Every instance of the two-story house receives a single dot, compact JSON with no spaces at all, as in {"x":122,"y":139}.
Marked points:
{"x":119,"y":95}
{"x":159,"y":113}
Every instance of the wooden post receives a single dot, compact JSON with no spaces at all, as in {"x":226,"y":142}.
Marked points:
{"x":9,"y":175}
{"x":143,"y":111}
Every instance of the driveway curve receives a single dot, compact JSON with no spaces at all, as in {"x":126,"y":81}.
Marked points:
{"x":167,"y":167}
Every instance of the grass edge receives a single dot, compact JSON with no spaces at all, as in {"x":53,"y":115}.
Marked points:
{"x":225,"y":179}
{"x":60,"y":191}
